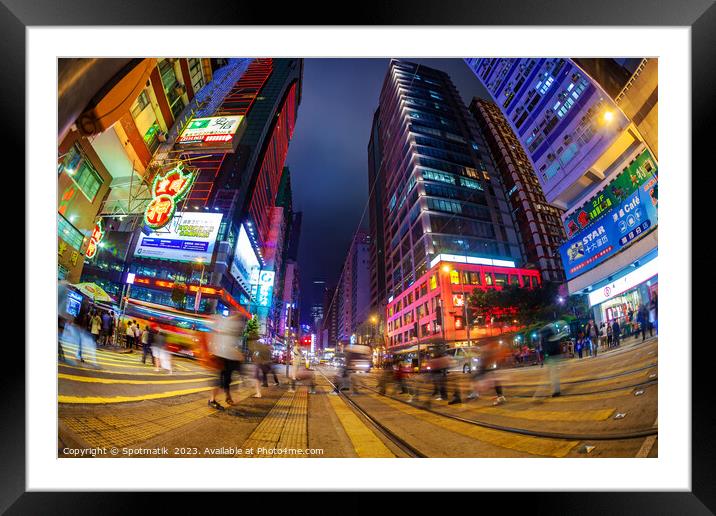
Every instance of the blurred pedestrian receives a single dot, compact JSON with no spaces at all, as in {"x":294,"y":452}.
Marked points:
{"x":553,"y":356}
{"x":579,"y":344}
{"x":642,"y":318}
{"x":137,"y":334}
{"x":386,"y":376}
{"x":593,"y":338}
{"x":609,"y":335}
{"x":225,"y":355}
{"x":147,"y":344}
{"x":603,"y":335}
{"x":95,"y":326}
{"x":165,"y":358}
{"x":616,"y":333}
{"x":296,"y":358}
{"x":129,"y":335}
{"x":438,"y":370}
{"x":105,"y":330}
{"x":540,"y":353}
{"x":486,"y":376}
{"x":158,"y":340}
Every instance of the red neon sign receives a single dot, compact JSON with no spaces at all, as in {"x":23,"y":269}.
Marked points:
{"x":95,"y":238}
{"x":167,"y":190}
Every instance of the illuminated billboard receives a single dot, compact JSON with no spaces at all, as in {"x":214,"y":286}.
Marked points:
{"x":217,"y":133}
{"x":188,"y":237}
{"x":265,"y":288}
{"x":642,"y":171}
{"x":245,"y":263}
{"x":617,"y":229}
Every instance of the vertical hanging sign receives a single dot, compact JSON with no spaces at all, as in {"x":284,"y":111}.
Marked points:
{"x":167,"y":190}
{"x":95,"y":238}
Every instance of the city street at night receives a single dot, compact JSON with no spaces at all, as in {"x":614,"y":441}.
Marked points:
{"x":357,"y":258}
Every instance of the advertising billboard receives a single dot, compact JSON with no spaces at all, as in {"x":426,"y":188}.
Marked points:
{"x":245,"y":263}
{"x":639,"y":172}
{"x":265,"y":288}
{"x":614,"y":231}
{"x":217,"y":133}
{"x":188,"y":237}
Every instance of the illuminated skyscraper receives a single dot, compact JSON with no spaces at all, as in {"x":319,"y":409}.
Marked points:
{"x":539,"y":224}
{"x":443,"y":206}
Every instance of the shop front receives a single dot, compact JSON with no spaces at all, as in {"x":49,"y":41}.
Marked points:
{"x":620,"y":299}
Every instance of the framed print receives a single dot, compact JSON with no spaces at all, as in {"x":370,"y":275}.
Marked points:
{"x":420,"y":233}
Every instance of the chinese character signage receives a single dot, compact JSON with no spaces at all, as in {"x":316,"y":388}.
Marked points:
{"x":217,"y":133}
{"x":616,"y":230}
{"x":188,"y":237}
{"x":641,"y":171}
{"x":167,"y":190}
{"x":95,"y":238}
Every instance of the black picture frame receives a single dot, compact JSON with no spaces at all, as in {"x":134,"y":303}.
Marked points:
{"x":700,"y":15}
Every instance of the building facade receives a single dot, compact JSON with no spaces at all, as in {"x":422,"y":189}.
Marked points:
{"x":353,"y":297}
{"x":538,"y":223}
{"x":592,"y":161}
{"x":441,"y":195}
{"x":434,"y":310}
{"x":114,"y":116}
{"x":234,"y":200}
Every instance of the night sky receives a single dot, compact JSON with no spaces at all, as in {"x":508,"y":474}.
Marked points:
{"x":328,"y":156}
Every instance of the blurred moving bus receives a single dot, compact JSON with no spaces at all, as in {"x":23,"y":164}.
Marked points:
{"x":184,"y":330}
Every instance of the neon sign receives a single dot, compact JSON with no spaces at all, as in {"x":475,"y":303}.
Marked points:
{"x":95,"y":238}
{"x":167,"y":190}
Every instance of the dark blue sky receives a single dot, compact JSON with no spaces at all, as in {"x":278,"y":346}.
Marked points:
{"x":328,"y":156}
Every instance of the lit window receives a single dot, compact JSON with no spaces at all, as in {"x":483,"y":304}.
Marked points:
{"x":454,"y":277}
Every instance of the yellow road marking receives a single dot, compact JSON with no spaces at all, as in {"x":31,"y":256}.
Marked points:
{"x":92,"y":379}
{"x":129,"y":363}
{"x":62,"y":398}
{"x":554,"y":415}
{"x":364,"y":441}
{"x":149,"y":372}
{"x":566,"y":379}
{"x":532,"y":445}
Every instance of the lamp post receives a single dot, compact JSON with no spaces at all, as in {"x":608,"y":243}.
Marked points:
{"x":374,"y":320}
{"x":197,"y":299}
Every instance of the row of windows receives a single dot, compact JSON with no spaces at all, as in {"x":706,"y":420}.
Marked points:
{"x":472,"y":195}
{"x":460,"y":226}
{"x":466,"y":278}
{"x":82,"y":173}
{"x":69,"y":233}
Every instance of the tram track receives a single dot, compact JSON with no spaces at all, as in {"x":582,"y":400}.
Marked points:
{"x":635,"y":434}
{"x":603,"y":436}
{"x":399,"y":442}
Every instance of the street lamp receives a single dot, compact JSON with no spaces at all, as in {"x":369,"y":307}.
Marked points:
{"x":197,"y":299}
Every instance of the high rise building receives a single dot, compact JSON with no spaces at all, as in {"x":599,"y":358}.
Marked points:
{"x":330,"y":318}
{"x":539,"y":224}
{"x":353,"y":298}
{"x":318,"y":288}
{"x":376,"y":186}
{"x":592,"y":161}
{"x":234,"y":206}
{"x":444,"y":207}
